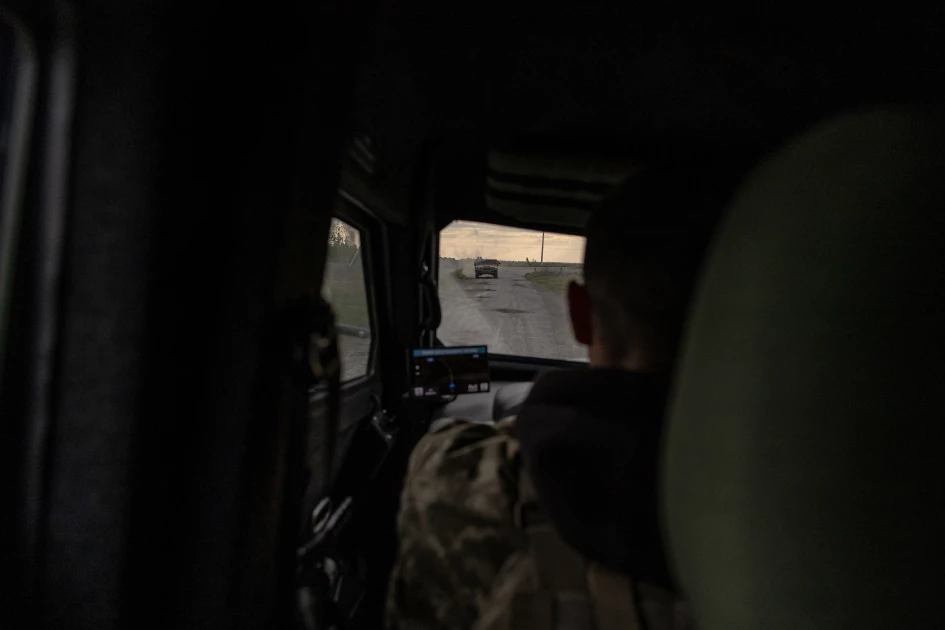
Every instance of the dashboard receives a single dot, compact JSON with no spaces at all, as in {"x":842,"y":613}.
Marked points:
{"x":503,"y":399}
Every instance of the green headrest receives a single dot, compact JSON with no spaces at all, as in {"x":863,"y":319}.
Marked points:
{"x":804,"y":473}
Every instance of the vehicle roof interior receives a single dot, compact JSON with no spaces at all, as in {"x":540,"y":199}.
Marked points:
{"x":676,"y":80}
{"x":162,"y":434}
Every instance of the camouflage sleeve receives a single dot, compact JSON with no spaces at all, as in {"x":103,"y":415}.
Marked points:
{"x":455,"y":526}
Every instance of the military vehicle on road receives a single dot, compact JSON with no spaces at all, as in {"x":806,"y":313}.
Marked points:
{"x":487,"y":267}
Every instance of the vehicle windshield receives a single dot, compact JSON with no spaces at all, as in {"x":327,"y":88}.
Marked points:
{"x":506,"y":288}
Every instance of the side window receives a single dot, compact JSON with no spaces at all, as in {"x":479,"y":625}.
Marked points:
{"x":345,"y":287}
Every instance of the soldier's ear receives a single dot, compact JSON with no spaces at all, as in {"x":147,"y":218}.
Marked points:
{"x":579,"y":304}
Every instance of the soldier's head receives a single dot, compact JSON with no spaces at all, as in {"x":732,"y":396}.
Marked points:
{"x":645,"y":245}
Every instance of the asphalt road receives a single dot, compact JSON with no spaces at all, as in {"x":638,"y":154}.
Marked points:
{"x":509,"y":314}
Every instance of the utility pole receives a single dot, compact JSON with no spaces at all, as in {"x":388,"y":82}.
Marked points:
{"x":542,"y":263}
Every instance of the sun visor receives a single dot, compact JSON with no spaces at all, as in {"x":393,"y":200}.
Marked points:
{"x":548,"y":189}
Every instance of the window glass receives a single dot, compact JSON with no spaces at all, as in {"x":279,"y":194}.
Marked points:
{"x":506,"y":288}
{"x":345,"y":288}
{"x":17,"y":63}
{"x":8,"y":63}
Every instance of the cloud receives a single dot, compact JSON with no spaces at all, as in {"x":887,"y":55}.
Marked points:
{"x":468,"y":239}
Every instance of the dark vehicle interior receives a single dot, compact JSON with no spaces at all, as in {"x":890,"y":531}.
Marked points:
{"x":176,"y":452}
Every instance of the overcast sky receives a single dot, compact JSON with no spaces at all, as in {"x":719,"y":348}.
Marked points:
{"x":468,"y":239}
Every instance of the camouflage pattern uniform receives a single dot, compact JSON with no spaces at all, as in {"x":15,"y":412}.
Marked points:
{"x":456,"y":527}
{"x":609,"y":601}
{"x":551,"y":586}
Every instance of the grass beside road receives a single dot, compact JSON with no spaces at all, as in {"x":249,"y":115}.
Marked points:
{"x":553,"y":279}
{"x":536,"y":264}
{"x":350,"y":308}
{"x":458,"y":274}
{"x":344,"y":288}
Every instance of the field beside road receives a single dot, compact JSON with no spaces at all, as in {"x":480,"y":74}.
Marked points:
{"x":536,"y":265}
{"x":555,"y":280}
{"x":344,"y":288}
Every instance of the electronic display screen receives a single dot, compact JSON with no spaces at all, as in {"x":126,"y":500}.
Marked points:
{"x":449,"y":371}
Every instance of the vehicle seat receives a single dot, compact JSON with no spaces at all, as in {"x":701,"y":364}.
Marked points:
{"x":804,"y":471}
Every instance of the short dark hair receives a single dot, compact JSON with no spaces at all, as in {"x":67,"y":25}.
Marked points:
{"x":645,"y":246}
